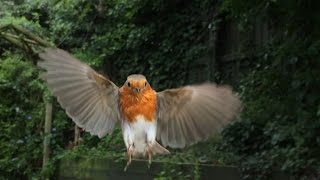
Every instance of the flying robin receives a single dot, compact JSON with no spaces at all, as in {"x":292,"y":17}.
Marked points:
{"x":176,"y":117}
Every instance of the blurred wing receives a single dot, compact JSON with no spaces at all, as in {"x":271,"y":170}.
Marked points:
{"x":89,"y":99}
{"x":194,"y":113}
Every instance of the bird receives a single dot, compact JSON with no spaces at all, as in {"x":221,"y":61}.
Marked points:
{"x":176,"y":118}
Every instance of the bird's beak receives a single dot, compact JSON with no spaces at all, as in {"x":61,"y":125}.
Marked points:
{"x":137,"y":90}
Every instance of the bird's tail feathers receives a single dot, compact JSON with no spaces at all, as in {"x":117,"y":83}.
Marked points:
{"x":158,"y":149}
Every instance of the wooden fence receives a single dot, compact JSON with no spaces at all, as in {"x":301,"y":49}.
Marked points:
{"x":231,"y":51}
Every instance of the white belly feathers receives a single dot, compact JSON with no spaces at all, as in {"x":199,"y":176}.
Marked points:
{"x":139,"y":133}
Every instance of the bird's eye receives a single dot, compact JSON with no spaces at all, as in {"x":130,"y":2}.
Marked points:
{"x":145,"y":84}
{"x":129,"y":84}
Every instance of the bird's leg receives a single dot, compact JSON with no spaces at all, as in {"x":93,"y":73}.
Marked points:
{"x":149,"y":153}
{"x":150,"y":141}
{"x":129,"y":155}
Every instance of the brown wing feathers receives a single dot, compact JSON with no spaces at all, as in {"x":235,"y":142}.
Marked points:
{"x":88,"y":98}
{"x":194,"y":113}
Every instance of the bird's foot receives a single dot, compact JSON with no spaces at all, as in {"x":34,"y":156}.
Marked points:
{"x":129,"y":155}
{"x":149,"y":153}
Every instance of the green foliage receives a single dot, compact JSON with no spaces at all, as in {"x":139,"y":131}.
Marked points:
{"x":21,"y":14}
{"x":154,"y":38}
{"x":21,"y":121}
{"x":165,"y":40}
{"x":280,"y":121}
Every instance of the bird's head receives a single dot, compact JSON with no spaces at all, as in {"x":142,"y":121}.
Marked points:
{"x":136,"y":83}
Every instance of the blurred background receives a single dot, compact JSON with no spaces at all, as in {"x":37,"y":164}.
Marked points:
{"x":267,"y":50}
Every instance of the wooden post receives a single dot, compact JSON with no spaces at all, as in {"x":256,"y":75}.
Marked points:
{"x":47,"y":132}
{"x":76,"y":135}
{"x":213,"y":32}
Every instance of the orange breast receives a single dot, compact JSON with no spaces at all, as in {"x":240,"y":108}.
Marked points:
{"x":134,"y":104}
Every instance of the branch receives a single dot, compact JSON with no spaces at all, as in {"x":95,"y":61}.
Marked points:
{"x":13,"y":41}
{"x":32,"y":36}
{"x":17,"y":37}
{"x":4,"y":27}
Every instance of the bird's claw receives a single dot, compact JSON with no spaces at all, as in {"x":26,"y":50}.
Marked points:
{"x":127,"y":165}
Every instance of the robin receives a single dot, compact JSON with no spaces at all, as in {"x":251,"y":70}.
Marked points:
{"x":175,"y":117}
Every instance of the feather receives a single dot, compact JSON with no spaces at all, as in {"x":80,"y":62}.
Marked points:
{"x":89,"y":99}
{"x":191,"y":114}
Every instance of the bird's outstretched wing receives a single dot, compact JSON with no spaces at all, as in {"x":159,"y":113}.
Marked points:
{"x":194,"y":113}
{"x":89,"y":99}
